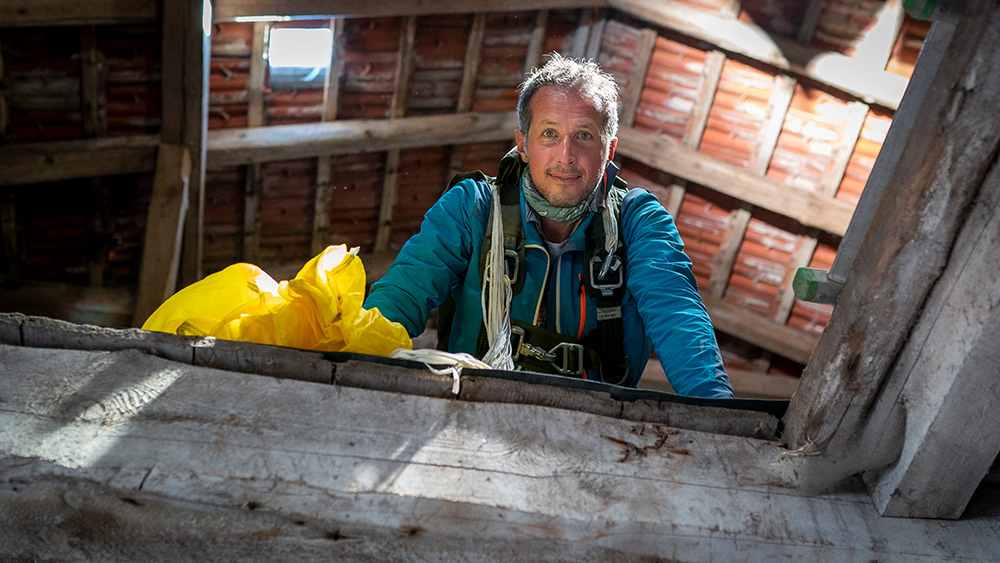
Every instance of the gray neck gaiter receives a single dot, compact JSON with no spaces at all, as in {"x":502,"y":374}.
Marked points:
{"x":545,"y":209}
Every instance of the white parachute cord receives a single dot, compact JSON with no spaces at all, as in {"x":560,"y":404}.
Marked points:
{"x":453,"y":362}
{"x":496,"y":296}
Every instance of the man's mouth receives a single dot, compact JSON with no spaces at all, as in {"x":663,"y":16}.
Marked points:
{"x":565,"y":176}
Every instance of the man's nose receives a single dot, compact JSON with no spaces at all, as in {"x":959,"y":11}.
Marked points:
{"x":567,"y":151}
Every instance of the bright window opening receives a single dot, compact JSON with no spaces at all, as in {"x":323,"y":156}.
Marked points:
{"x":298,"y":57}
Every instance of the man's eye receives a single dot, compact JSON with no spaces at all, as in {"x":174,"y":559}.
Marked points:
{"x":585,"y":135}
{"x":548,"y":133}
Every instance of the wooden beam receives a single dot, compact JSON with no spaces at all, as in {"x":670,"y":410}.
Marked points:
{"x":43,"y":13}
{"x":732,"y":240}
{"x":777,"y":108}
{"x":184,"y":106}
{"x":255,"y":81}
{"x":531,"y":481}
{"x":467,"y":90}
{"x":324,"y":166}
{"x":31,"y":163}
{"x":91,"y":85}
{"x":857,"y":374}
{"x":4,"y":106}
{"x":8,"y":236}
{"x":949,"y":364}
{"x":925,"y":76}
{"x":537,"y":41}
{"x":800,"y":259}
{"x":808,"y":208}
{"x":256,"y":110}
{"x":228,"y":147}
{"x":758,"y":330}
{"x":596,"y":37}
{"x":231,"y":9}
{"x":842,"y":152}
{"x":637,"y":77}
{"x":808,"y":26}
{"x":856,"y":78}
{"x":397,"y":108}
{"x":578,"y":46}
{"x":91,"y":306}
{"x":164,"y":230}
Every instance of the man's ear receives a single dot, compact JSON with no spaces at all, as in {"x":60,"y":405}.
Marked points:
{"x":519,"y":136}
{"x":611,"y":149}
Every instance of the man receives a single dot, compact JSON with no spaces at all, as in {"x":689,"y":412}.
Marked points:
{"x":561,"y":190}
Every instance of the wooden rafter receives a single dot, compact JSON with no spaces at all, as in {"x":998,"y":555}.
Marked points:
{"x":732,"y":35}
{"x":808,"y":208}
{"x":255,"y":118}
{"x":230,"y":9}
{"x":324,"y":165}
{"x":912,"y":330}
{"x":37,"y":13}
{"x":390,"y":183}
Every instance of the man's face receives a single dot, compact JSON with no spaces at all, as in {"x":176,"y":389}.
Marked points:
{"x":563,"y":146}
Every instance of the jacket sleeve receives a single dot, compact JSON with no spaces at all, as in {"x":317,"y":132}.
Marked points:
{"x":659,"y":276}
{"x":434,"y":260}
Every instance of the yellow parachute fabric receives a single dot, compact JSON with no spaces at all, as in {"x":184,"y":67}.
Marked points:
{"x":318,"y":310}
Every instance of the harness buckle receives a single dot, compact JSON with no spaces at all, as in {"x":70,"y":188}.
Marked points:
{"x":570,"y":350}
{"x":511,"y":264}
{"x":610,"y":265}
{"x":522,"y":346}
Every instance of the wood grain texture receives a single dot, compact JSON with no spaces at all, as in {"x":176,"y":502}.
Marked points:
{"x":851,"y":385}
{"x":287,"y":142}
{"x":126,"y":455}
{"x":808,"y":208}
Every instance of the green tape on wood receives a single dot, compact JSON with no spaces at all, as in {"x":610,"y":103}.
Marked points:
{"x":804,"y":284}
{"x":920,"y":9}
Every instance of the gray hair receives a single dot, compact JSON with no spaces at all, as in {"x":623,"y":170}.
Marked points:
{"x":584,"y":76}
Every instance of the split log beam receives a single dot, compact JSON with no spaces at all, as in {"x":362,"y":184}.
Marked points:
{"x":231,"y":9}
{"x":397,"y":108}
{"x":43,"y":13}
{"x":161,"y":254}
{"x":808,"y":208}
{"x":184,"y":107}
{"x":729,"y":34}
{"x":637,"y":77}
{"x":593,"y":50}
{"x":229,"y":147}
{"x":324,"y":165}
{"x":917,"y":290}
{"x":131,"y":439}
{"x":537,"y":41}
{"x":32,"y":163}
{"x":466,"y":93}
{"x":252,"y":173}
{"x":578,"y":46}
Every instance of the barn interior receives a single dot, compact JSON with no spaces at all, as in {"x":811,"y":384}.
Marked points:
{"x":756,"y":124}
{"x":148,"y":144}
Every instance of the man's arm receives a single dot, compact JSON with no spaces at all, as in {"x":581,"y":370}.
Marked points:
{"x":434,"y":259}
{"x":659,"y":276}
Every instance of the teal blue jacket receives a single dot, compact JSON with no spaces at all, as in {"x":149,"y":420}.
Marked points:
{"x":661,"y":305}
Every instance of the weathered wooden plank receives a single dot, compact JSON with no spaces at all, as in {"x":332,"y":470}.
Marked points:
{"x":805,"y":207}
{"x":729,"y":34}
{"x":777,"y":108}
{"x":949,"y":366}
{"x":808,"y":26}
{"x":324,"y":171}
{"x":287,"y":142}
{"x":39,"y":13}
{"x":760,"y":331}
{"x":94,"y":119}
{"x":197,"y":45}
{"x":537,"y":42}
{"x":397,"y":108}
{"x":849,"y":386}
{"x":31,"y":163}
{"x":232,"y":9}
{"x":929,"y":72}
{"x":161,"y":254}
{"x":725,"y":260}
{"x":325,"y":464}
{"x":637,"y":77}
